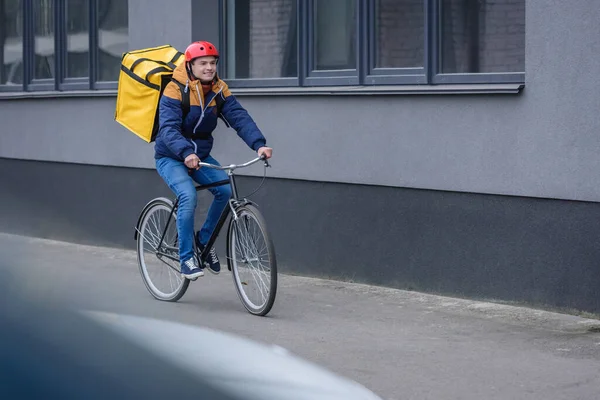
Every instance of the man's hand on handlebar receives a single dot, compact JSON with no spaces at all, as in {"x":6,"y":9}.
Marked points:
{"x":192,"y":161}
{"x":265,"y":152}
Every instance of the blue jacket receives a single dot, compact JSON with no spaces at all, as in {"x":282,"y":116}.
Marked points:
{"x":178,"y":139}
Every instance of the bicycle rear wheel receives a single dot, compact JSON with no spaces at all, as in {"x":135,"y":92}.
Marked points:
{"x":251,"y":258}
{"x":159,"y":266}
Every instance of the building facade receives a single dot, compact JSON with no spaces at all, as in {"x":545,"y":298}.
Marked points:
{"x":446,"y":146}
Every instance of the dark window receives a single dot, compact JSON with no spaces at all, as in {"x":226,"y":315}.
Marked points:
{"x":370,"y":42}
{"x":262,"y":39}
{"x":62,"y":44}
{"x":482,"y":36}
{"x":78,"y":39}
{"x":334,"y":34}
{"x":43,"y":45}
{"x":400,"y":30}
{"x":112,"y":17}
{"x":11,"y":42}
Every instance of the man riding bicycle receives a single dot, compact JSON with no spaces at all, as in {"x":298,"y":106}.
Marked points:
{"x":181,"y":143}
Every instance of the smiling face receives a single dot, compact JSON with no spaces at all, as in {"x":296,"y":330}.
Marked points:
{"x":205,"y":68}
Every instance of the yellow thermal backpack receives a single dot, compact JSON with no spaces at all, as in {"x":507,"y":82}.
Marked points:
{"x":144,"y":75}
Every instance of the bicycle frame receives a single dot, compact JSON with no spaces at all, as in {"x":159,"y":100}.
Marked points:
{"x":234,"y":201}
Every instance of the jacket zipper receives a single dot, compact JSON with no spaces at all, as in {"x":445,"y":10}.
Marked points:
{"x":202,"y":106}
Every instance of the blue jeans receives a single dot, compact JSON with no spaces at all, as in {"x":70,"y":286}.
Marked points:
{"x":175,"y":174}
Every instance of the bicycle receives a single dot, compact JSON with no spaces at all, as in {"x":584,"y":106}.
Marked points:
{"x":249,"y":247}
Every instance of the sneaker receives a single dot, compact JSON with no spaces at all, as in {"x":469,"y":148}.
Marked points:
{"x":212,"y":261}
{"x":191,"y":270}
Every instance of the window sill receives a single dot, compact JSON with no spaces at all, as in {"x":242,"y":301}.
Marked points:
{"x":505,"y":88}
{"x":57,"y":94}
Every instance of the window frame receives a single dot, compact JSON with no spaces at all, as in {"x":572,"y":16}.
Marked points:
{"x":95,"y":82}
{"x":255,"y":82}
{"x":60,"y":82}
{"x":4,"y":88}
{"x":33,"y":84}
{"x":438,"y":77}
{"x":65,"y":83}
{"x":392,"y":76}
{"x":341,"y":77}
{"x":366,"y":73}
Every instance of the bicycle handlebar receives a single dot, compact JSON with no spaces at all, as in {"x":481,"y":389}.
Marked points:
{"x":231,"y":167}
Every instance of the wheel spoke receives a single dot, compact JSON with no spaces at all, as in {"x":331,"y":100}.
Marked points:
{"x":158,"y":272}
{"x":251,"y":258}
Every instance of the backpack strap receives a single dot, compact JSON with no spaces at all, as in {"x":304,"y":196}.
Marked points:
{"x":185,"y":97}
{"x":220,"y":101}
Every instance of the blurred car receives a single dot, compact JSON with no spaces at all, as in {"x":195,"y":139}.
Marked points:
{"x":49,"y":351}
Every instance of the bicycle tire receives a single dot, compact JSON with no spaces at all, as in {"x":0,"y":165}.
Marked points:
{"x":150,"y":211}
{"x":245,"y":213}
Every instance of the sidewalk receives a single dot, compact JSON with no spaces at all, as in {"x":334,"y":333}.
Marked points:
{"x":401,"y":345}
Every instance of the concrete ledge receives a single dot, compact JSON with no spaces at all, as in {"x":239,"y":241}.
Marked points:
{"x":513,"y":88}
{"x":56,"y":94}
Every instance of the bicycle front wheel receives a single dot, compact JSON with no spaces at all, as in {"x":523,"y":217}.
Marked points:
{"x":159,"y":260}
{"x":251,"y":258}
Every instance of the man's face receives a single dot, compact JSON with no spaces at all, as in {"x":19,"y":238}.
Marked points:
{"x":205,"y":68}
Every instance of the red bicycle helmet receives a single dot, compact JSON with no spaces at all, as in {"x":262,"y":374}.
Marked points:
{"x":200,"y":49}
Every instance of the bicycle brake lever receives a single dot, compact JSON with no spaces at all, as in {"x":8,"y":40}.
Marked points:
{"x":262,"y":157}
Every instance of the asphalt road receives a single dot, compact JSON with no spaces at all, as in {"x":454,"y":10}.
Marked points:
{"x":401,"y":345}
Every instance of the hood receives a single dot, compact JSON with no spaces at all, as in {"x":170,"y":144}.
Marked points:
{"x":180,"y":73}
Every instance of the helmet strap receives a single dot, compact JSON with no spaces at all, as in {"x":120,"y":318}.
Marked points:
{"x":188,"y":68}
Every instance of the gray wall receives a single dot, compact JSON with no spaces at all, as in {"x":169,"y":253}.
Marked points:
{"x":542,"y":143}
{"x":506,"y":248}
